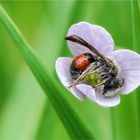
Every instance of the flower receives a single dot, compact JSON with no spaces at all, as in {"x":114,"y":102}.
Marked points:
{"x":127,"y":61}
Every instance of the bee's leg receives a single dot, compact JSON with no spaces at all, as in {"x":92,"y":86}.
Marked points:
{"x":105,"y":80}
{"x":92,"y":68}
{"x":101,"y":69}
{"x":80,"y":78}
{"x":92,"y":72}
{"x":100,"y":84}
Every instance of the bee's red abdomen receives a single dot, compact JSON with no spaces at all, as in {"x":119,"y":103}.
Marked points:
{"x":81,"y":62}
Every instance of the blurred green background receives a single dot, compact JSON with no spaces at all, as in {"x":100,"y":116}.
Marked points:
{"x":25,"y":111}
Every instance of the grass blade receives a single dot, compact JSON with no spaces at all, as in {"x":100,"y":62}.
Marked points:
{"x":71,"y":121}
{"x":135,"y":14}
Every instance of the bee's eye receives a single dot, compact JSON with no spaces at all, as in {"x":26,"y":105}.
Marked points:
{"x":120,"y":82}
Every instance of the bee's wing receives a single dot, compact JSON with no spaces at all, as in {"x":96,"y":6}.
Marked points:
{"x":82,"y":42}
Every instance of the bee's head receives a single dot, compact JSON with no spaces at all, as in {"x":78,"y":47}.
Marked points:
{"x":119,"y":82}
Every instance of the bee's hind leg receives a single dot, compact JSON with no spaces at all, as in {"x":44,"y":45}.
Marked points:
{"x":83,"y":75}
{"x":92,"y":68}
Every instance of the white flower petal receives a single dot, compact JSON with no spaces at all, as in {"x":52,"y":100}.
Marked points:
{"x":87,"y":90}
{"x":129,"y":63}
{"x":106,"y":101}
{"x":97,"y":36}
{"x":77,"y":93}
{"x":62,"y":69}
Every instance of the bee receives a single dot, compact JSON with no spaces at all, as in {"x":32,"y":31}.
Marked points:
{"x":95,"y":70}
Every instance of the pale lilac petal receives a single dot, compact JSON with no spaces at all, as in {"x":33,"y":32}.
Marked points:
{"x":96,"y":96}
{"x":93,"y":34}
{"x":129,"y":63}
{"x":77,"y":93}
{"x":62,"y":70}
{"x":106,"y":101}
{"x":87,"y":90}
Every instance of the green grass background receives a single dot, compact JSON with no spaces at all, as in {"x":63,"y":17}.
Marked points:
{"x":25,"y":111}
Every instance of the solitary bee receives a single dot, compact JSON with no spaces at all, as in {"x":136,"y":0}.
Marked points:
{"x":95,"y":70}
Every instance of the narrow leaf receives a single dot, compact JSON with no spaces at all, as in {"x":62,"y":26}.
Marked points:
{"x":71,"y":121}
{"x":135,"y":14}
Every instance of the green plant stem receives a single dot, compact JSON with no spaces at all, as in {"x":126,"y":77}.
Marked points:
{"x":113,"y":123}
{"x":135,"y":15}
{"x":139,"y":6}
{"x":75,"y":128}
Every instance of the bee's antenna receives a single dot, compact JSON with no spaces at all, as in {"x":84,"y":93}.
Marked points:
{"x":82,"y":42}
